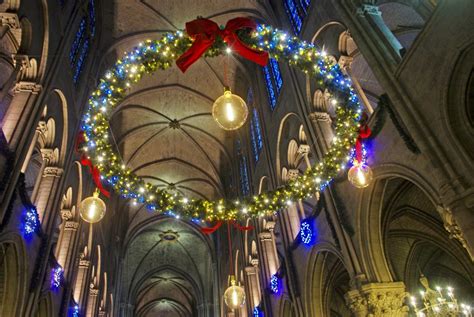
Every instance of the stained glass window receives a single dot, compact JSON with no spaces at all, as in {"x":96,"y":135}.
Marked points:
{"x":244,"y":177}
{"x":80,"y":62}
{"x":297,"y":10}
{"x":256,"y":135}
{"x":276,"y":75}
{"x":76,"y":44}
{"x":82,"y":41}
{"x":273,"y":82}
{"x":92,"y":17}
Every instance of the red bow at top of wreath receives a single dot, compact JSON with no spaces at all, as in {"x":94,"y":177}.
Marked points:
{"x":204,"y":32}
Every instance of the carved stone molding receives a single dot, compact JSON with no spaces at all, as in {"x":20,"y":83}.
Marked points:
{"x":368,"y":9}
{"x":27,"y":86}
{"x":378,"y":299}
{"x":320,"y":117}
{"x":265,"y":235}
{"x":71,"y":225}
{"x":93,"y":291}
{"x":42,"y":127}
{"x":345,"y":61}
{"x":453,"y":228}
{"x":84,"y":263}
{"x":53,"y":171}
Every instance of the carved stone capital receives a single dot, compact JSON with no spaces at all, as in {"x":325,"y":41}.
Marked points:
{"x":42,"y":127}
{"x":293,"y":174}
{"x":71,"y":225}
{"x":93,"y":291}
{"x":53,"y":171}
{"x":84,"y":263}
{"x":254,"y":262}
{"x":11,"y":20}
{"x":368,"y":9}
{"x":453,"y":228}
{"x":378,"y":299}
{"x":265,"y":236}
{"x":27,"y":86}
{"x":303,"y":149}
{"x":345,"y":61}
{"x":320,"y":117}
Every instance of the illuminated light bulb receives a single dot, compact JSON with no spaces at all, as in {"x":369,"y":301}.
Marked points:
{"x":234,"y":296}
{"x":228,"y":50}
{"x":360,"y":175}
{"x":92,"y":209}
{"x":229,"y":111}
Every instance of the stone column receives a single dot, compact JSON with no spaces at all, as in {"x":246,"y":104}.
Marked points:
{"x":92,"y":301}
{"x":373,"y":23}
{"x":66,"y":243}
{"x":269,"y":255}
{"x":17,"y":116}
{"x":378,"y":300}
{"x":40,"y":130}
{"x":345,"y":62}
{"x":82,"y":281}
{"x":322,"y":125}
{"x":46,"y":191}
{"x":253,"y":283}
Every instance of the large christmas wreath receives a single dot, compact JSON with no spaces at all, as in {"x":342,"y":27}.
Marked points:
{"x":206,"y":38}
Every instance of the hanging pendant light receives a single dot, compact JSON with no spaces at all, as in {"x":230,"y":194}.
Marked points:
{"x":360,"y":175}
{"x":230,"y":111}
{"x":234,"y":296}
{"x":92,"y":209}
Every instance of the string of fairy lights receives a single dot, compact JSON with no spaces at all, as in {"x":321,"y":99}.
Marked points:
{"x":153,"y":55}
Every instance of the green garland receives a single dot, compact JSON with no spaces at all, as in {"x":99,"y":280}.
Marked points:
{"x":151,"y":56}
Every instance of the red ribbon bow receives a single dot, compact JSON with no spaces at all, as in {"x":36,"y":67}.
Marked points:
{"x":204,"y":32}
{"x":364,"y":133}
{"x":93,"y":169}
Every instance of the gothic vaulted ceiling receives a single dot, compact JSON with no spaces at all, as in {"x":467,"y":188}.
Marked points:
{"x":165,"y":132}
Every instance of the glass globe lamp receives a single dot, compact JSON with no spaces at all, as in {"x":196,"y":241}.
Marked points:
{"x":230,"y":111}
{"x":234,"y":296}
{"x":360,"y":175}
{"x":92,"y":209}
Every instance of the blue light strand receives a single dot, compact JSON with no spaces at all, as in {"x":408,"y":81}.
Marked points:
{"x":275,"y":284}
{"x":30,"y":222}
{"x":57,"y":274}
{"x":92,"y":17}
{"x":257,"y":312}
{"x":306,"y":232}
{"x":81,"y":61}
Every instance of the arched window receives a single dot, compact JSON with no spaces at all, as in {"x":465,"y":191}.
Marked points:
{"x":273,"y":82}
{"x":256,"y":134}
{"x":297,"y":10}
{"x":243,"y":170}
{"x":82,"y":41}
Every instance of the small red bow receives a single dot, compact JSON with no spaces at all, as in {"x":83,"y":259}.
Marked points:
{"x":93,"y":169}
{"x":364,"y":133}
{"x":204,"y":32}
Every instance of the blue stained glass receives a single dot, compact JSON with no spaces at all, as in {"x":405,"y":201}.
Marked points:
{"x":81,"y":60}
{"x":244,"y":177}
{"x":305,"y":5}
{"x":77,"y":41}
{"x":272,"y":98}
{"x":256,"y":135}
{"x":276,"y":75}
{"x":295,"y":18}
{"x":92,"y":17}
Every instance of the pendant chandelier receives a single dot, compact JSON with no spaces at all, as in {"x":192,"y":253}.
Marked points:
{"x":230,"y":111}
{"x":92,"y":209}
{"x":438,"y":302}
